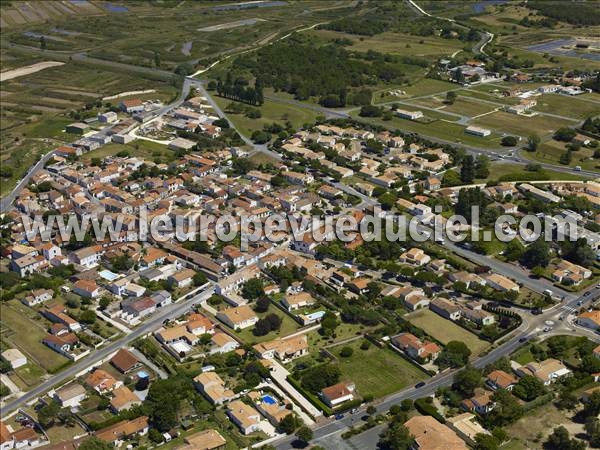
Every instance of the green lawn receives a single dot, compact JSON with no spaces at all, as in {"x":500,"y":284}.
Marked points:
{"x":27,"y":336}
{"x":501,"y":169}
{"x":445,"y":331}
{"x":376,"y":371}
{"x":428,"y":86}
{"x":288,"y":326}
{"x":31,"y":374}
{"x":567,"y":106}
{"x":139,"y":147}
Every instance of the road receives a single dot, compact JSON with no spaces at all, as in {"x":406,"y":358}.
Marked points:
{"x":168,"y":312}
{"x":329,"y":434}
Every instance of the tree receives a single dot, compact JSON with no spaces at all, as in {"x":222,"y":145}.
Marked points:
{"x":514,"y":250}
{"x":271,"y":322}
{"x":509,"y":141}
{"x":592,"y":406}
{"x":529,"y":388}
{"x":486,"y":442}
{"x":578,"y":252}
{"x":537,"y":254}
{"x":370,"y":111}
{"x":253,"y":289}
{"x":406,"y":405}
{"x":533,"y":142}
{"x":395,"y":437}
{"x":47,"y":414}
{"x":467,"y":171}
{"x":329,"y":323}
{"x":104,"y":302}
{"x":316,"y":378}
{"x":93,"y":443}
{"x":565,"y":134}
{"x":450,"y":97}
{"x":467,"y":380}
{"x":566,"y":158}
{"x":43,"y":44}
{"x":482,"y":167}
{"x":199,"y":279}
{"x":592,"y":428}
{"x":262,"y":304}
{"x":455,"y":354}
{"x":155,"y":436}
{"x":88,"y":317}
{"x":304,"y":434}
{"x":289,"y":424}
{"x":346,"y":352}
{"x":371,"y":410}
{"x":561,"y":440}
{"x":507,"y":409}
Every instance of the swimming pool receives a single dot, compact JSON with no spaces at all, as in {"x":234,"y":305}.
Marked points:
{"x":268,"y":399}
{"x":108,"y":275}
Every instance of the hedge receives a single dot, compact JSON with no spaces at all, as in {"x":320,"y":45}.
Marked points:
{"x":428,"y":409}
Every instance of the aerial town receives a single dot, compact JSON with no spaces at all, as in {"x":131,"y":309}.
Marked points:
{"x":127,"y":320}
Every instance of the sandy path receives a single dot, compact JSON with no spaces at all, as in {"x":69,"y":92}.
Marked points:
{"x":15,"y":73}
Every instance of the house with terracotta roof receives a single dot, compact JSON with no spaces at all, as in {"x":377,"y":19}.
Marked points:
{"x":86,"y":288}
{"x":547,"y":371}
{"x":124,"y":361}
{"x":65,"y":345}
{"x":589,"y":319}
{"x":499,"y":379}
{"x":338,"y":393}
{"x":415,"y":348}
{"x":37,"y":297}
{"x":213,"y":388}
{"x":102,"y":382}
{"x":296,"y":301}
{"x":131,"y":106}
{"x":570,"y":274}
{"x":501,"y":283}
{"x":222,"y":343}
{"x":123,"y":399}
{"x":182,"y":278}
{"x":204,"y":440}
{"x":429,"y":434}
{"x":284,"y":350}
{"x":153,"y":257}
{"x":57,"y":314}
{"x":238,"y":318}
{"x":118,"y":433}
{"x":415,"y":256}
{"x":480,"y":403}
{"x":244,"y":416}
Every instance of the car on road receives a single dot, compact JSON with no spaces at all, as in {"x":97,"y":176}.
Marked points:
{"x":523,"y":339}
{"x":419,"y":385}
{"x":339,"y":416}
{"x":353,"y":410}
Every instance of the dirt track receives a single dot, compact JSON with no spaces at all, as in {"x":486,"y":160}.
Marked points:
{"x":22,"y":71}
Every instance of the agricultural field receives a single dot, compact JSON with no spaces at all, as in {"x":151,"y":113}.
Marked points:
{"x":376,"y":371}
{"x":463,"y":106}
{"x":500,"y":169}
{"x":445,"y":331}
{"x":178,"y":32}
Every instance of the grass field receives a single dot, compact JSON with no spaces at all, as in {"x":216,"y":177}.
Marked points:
{"x":27,"y":335}
{"x":567,"y":106}
{"x":524,"y":126}
{"x":140,"y":148}
{"x":441,"y":129}
{"x":376,"y":371}
{"x":500,"y":169}
{"x":397,"y":43}
{"x":271,"y":112}
{"x":551,"y":151}
{"x":445,"y":331}
{"x":463,"y":106}
{"x":288,"y":326}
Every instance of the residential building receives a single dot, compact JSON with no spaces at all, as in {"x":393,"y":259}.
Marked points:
{"x":86,"y":288}
{"x":244,"y":416}
{"x":480,"y":403}
{"x":204,"y":440}
{"x":501,"y":283}
{"x":284,"y":350}
{"x":14,"y":357}
{"x":118,"y":433}
{"x":338,"y":394}
{"x":547,"y":371}
{"x":429,"y":434}
{"x":70,"y":395}
{"x":445,"y":308}
{"x":124,"y":361}
{"x":477,"y":131}
{"x":123,"y":399}
{"x":415,"y":348}
{"x":296,"y":301}
{"x":213,"y":388}
{"x":238,"y":318}
{"x":37,"y":297}
{"x":102,"y":382}
{"x":589,"y":319}
{"x":415,"y":256}
{"x":499,"y":379}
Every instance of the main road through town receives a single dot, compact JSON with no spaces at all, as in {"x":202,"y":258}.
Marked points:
{"x":166,"y":313}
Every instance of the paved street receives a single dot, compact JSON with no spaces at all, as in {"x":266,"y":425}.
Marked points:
{"x":168,"y":312}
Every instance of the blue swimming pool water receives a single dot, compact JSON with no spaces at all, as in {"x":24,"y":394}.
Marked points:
{"x":268,"y":400}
